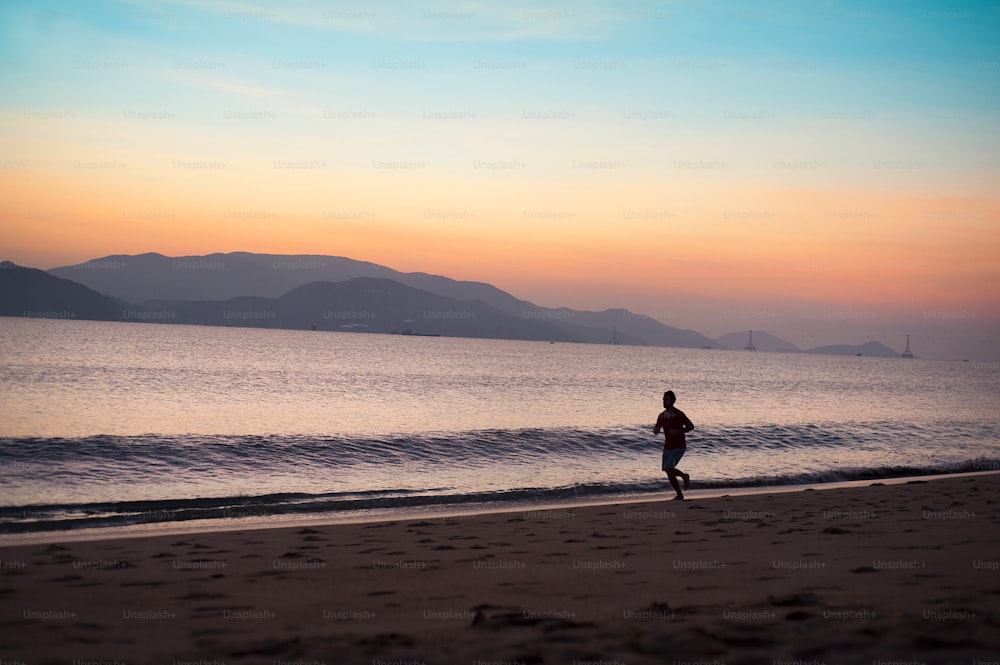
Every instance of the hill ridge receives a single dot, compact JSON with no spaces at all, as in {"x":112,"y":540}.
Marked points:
{"x":155,"y":278}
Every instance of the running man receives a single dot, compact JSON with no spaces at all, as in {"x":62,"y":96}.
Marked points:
{"x":675,"y":425}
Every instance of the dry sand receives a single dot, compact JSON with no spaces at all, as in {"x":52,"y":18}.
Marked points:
{"x":881,"y":574}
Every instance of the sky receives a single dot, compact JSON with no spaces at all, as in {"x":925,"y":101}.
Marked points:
{"x":826,"y":171}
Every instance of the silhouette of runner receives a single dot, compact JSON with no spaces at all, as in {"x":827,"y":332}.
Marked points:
{"x":674,"y":424}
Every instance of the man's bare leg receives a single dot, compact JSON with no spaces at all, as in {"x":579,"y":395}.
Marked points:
{"x":672,"y":477}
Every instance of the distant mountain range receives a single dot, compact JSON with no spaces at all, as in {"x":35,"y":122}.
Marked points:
{"x":332,"y":293}
{"x":157,"y":281}
{"x":33,"y":293}
{"x":372,"y":304}
{"x":762,"y":341}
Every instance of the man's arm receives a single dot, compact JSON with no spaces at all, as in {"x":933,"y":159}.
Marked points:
{"x":656,"y":427}
{"x":688,"y":425}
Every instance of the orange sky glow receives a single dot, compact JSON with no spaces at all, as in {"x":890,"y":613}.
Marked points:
{"x":603,"y":160}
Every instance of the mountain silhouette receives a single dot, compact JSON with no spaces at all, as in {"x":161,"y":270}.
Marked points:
{"x":155,"y":281}
{"x":315,"y":292}
{"x":762,"y":341}
{"x":33,"y":293}
{"x":368,"y":304}
{"x":154,"y":277}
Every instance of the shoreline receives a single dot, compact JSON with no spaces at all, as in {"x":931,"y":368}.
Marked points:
{"x":892,"y":571}
{"x":899,"y":571}
{"x":439,"y":511}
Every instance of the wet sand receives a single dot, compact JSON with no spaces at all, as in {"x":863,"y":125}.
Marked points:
{"x":886,"y":573}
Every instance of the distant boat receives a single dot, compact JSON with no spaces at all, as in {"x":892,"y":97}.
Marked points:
{"x":614,"y":335}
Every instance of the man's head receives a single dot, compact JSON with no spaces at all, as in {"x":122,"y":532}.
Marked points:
{"x":668,"y":399}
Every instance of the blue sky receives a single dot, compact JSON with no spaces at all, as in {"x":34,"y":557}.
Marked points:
{"x":835,"y":127}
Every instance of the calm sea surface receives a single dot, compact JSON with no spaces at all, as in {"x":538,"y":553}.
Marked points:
{"x":104,"y":424}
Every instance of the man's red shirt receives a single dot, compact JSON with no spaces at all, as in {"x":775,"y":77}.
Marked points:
{"x":676,"y":421}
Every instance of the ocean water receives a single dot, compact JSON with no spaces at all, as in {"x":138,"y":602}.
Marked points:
{"x":105,"y":425}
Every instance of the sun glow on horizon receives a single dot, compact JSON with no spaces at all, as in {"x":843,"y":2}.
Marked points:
{"x":594,"y":156}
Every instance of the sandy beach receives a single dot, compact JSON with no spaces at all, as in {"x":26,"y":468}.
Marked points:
{"x":883,"y":573}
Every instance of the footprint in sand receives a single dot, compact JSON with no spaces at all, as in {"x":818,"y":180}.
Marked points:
{"x":151,"y":585}
{"x":202,"y":595}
